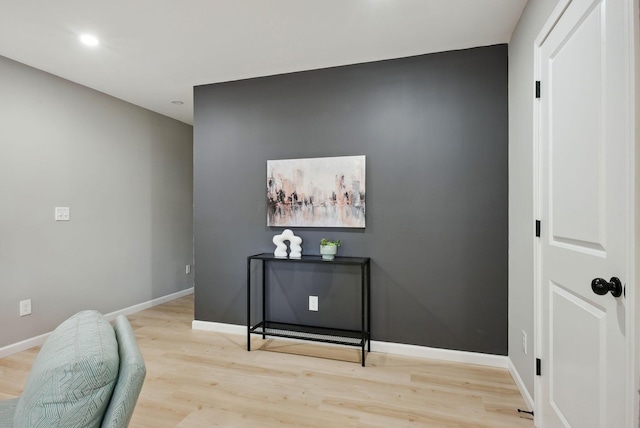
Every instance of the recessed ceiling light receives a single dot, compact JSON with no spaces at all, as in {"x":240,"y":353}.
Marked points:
{"x":177,"y":102}
{"x":89,"y":40}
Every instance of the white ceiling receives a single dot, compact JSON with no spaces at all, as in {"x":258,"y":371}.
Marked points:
{"x":153,"y":52}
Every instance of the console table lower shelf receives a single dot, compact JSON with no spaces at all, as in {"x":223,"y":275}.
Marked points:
{"x":313,"y":333}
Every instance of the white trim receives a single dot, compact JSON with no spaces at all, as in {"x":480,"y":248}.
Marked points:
{"x":466,"y":357}
{"x":548,"y":26}
{"x":218,"y":327}
{"x":149,"y":304}
{"x":499,"y":361}
{"x":632,"y":14}
{"x":14,"y":348}
{"x":551,"y":21}
{"x":633,"y":293}
{"x":528,"y":400}
{"x":5,"y":351}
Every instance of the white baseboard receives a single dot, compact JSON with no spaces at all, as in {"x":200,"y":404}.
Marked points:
{"x":39,"y":340}
{"x":466,"y":357}
{"x":5,"y":351}
{"x":149,"y":304}
{"x":218,"y":327}
{"x":385,"y":347}
{"x":528,"y":400}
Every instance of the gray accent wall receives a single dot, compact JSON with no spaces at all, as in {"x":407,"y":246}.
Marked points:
{"x":434,"y":131}
{"x":127,"y":175}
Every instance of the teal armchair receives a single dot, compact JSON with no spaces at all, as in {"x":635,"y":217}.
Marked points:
{"x":88,"y":374}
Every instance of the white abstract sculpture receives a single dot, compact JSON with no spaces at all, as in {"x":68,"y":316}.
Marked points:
{"x":281,"y":247}
{"x":295,"y":243}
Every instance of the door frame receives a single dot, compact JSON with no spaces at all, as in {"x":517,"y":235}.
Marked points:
{"x":634,"y":113}
{"x":632,"y":399}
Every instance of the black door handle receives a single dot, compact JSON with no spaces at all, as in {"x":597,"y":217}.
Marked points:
{"x":602,"y":287}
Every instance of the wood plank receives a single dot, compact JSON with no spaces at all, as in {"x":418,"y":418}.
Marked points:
{"x":197,"y":379}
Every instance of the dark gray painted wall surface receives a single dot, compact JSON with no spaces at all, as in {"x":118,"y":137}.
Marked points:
{"x":434,"y":131}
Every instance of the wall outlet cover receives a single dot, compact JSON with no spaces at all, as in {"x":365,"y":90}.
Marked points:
{"x":63,"y":214}
{"x":313,"y":303}
{"x":25,"y":307}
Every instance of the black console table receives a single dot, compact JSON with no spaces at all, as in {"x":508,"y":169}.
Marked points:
{"x":357,"y":338}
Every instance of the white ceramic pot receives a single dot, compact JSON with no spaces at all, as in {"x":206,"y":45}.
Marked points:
{"x":328,"y":251}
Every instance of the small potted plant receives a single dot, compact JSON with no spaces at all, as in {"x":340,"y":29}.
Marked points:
{"x":328,"y":249}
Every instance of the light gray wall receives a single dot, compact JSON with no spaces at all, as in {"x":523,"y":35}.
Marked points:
{"x":125,"y":172}
{"x":434,"y":130}
{"x":521,"y":221}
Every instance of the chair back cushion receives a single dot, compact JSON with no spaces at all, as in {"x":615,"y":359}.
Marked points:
{"x":73,"y":376}
{"x":130,"y":379}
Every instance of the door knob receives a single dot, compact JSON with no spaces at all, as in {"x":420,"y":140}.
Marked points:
{"x":602,"y":287}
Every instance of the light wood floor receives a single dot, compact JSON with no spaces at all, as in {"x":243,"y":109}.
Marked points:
{"x":204,"y":379}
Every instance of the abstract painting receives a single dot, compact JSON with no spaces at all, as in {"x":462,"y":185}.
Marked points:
{"x":316,"y":192}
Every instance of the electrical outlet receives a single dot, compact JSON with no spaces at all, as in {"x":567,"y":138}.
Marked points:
{"x":63,"y":214}
{"x":313,"y":303}
{"x":25,"y":307}
{"x":524,"y":342}
{"x":188,"y":269}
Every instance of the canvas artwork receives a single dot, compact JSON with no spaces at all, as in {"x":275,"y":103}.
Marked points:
{"x":316,"y":192}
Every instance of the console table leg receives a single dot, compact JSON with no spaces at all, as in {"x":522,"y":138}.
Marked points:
{"x":368,"y":273}
{"x":248,"y":304}
{"x":363,"y":309}
{"x":264,"y":297}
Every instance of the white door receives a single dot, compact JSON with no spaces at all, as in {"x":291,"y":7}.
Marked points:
{"x":585,"y":176}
